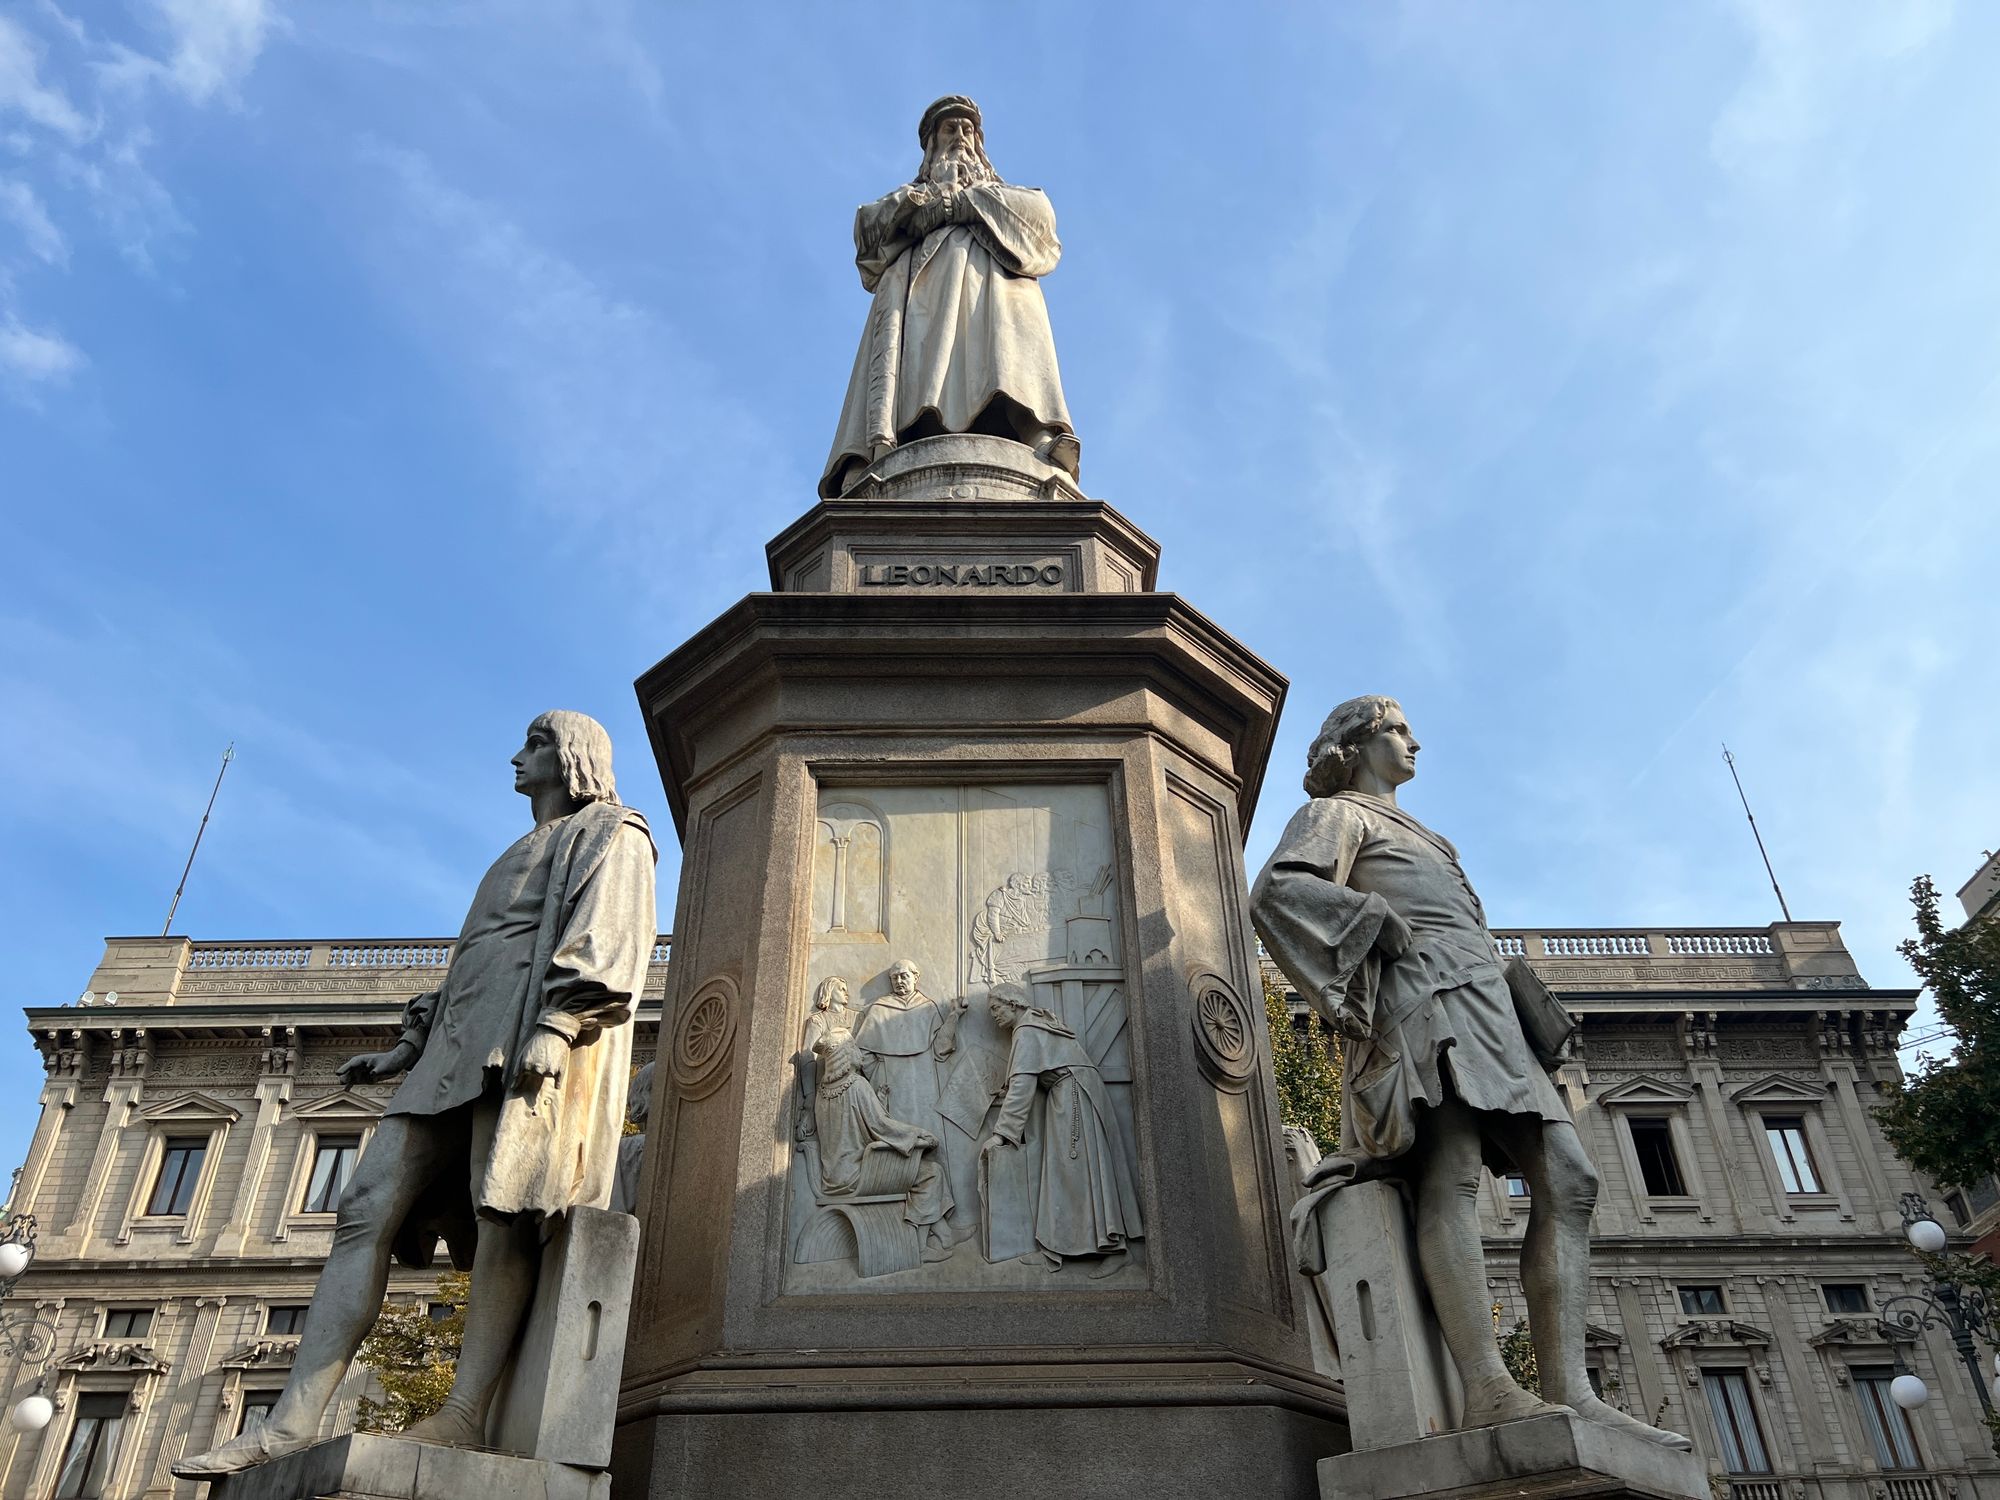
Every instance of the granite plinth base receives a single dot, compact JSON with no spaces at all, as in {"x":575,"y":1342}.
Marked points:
{"x":1538,"y":1458}
{"x":1086,"y":1453}
{"x":373,"y":1466}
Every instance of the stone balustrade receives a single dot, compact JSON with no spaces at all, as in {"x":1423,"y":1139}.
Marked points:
{"x":141,"y":971}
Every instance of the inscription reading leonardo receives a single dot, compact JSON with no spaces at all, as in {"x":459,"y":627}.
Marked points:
{"x":988,"y":575}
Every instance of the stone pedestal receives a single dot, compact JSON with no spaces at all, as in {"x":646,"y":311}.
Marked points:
{"x":1006,"y":784}
{"x":1399,"y":1378}
{"x":560,"y":1394}
{"x":1538,"y":1457}
{"x":370,"y":1466}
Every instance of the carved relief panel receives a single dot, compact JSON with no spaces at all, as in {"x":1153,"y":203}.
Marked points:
{"x":960,"y":1113}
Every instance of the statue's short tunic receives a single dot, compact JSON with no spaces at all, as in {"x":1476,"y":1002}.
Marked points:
{"x":1442,"y":1009}
{"x":478,"y":1009}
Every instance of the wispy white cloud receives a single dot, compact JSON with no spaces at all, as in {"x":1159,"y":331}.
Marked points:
{"x":1808,"y":54}
{"x":608,"y":410}
{"x":23,"y":92}
{"x":215,"y":43}
{"x":32,"y":358}
{"x":20,"y":205}
{"x":88,"y":161}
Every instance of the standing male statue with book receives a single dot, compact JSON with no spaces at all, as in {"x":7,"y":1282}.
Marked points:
{"x":1446,"y":1059}
{"x":511,"y":1109}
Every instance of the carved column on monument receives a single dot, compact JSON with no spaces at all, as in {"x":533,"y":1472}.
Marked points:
{"x":967,"y":1146}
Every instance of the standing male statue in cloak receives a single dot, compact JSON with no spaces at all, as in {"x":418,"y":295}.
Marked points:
{"x":907,"y":1036}
{"x":510,"y":1114}
{"x":1446,"y":1052}
{"x":958,"y":336}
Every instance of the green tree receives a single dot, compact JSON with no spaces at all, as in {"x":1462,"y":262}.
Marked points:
{"x":1307,"y":1062}
{"x":1517,"y":1353}
{"x":414,"y":1356}
{"x":1945,"y":1120}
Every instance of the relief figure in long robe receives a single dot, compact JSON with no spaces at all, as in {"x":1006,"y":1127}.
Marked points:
{"x":1085,"y":1203}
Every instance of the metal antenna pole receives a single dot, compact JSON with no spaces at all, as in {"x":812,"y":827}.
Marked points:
{"x":1755,"y":834}
{"x":227,"y":756}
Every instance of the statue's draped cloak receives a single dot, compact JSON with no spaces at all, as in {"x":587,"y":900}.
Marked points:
{"x":1086,"y":1204}
{"x":579,"y":971}
{"x":1341,"y":865}
{"x":957,"y":321}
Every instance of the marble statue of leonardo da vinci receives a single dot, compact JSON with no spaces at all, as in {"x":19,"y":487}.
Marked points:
{"x":958,"y":336}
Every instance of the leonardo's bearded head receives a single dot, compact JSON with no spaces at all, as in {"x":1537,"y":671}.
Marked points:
{"x":954,"y":145}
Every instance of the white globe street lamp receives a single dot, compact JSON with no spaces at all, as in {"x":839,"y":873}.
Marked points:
{"x":1908,"y":1392}
{"x":14,"y":1258}
{"x":31,"y":1413}
{"x":1926,"y":1236}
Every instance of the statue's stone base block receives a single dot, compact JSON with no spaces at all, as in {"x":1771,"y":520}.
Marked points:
{"x":1399,"y":1380}
{"x":1087,"y":1453}
{"x":372,"y":1466}
{"x":1538,"y":1457}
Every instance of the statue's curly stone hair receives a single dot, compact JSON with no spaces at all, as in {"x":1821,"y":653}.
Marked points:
{"x":584,"y":750}
{"x":1336,"y":749}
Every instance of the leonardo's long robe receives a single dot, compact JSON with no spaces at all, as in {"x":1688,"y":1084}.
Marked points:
{"x":902,"y":1038}
{"x":1086,"y":1204}
{"x":1342,"y":864}
{"x":958,"y":322}
{"x":559,"y":936}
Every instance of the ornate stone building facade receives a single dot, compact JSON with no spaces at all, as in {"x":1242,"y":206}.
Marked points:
{"x":1747,"y":1236}
{"x":193,"y":1136}
{"x":192,"y":1142}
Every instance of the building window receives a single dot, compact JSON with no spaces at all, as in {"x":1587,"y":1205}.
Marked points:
{"x":93,"y":1444}
{"x":1653,"y":1144}
{"x":1846,"y":1297}
{"x":128,"y":1322}
{"x":291,"y":1318}
{"x":1703,"y":1301}
{"x":180,"y":1171}
{"x":1787,"y":1135}
{"x":1735,"y":1422}
{"x":1955,"y":1205}
{"x":441,"y":1312}
{"x":1887,"y":1424}
{"x":256,"y":1407}
{"x":1596,"y":1378}
{"x":1517,"y":1185}
{"x":333,"y":1163}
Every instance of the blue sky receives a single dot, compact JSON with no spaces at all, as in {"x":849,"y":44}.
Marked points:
{"x":1606,"y":381}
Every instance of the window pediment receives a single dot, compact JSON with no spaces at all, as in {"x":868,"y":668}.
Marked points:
{"x":1722,"y":1331}
{"x":343,"y":1106}
{"x":1599,"y":1338}
{"x":114,"y":1355}
{"x":263,"y":1354}
{"x":191,"y":1109}
{"x":1776,"y":1088}
{"x":1658,"y":1092}
{"x":1848,"y":1331}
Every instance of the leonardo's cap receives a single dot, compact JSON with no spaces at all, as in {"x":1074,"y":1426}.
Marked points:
{"x":950,"y":104}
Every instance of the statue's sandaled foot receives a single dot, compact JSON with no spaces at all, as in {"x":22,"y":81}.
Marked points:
{"x":1491,"y":1402}
{"x":451,"y":1426}
{"x":1047,"y":1260}
{"x":1058,"y":449}
{"x":236,"y":1455}
{"x":936,"y":1247}
{"x":1602,"y":1411}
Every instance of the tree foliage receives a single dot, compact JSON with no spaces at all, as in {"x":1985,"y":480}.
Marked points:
{"x":1517,"y":1353}
{"x":1307,"y":1063}
{"x":1945,"y":1120}
{"x":414,"y":1356}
